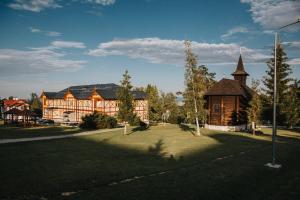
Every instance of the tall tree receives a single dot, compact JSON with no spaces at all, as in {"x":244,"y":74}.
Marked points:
{"x":154,"y":106}
{"x":35,"y":104}
{"x":197,"y":81}
{"x":283,"y":79}
{"x":170,"y":109}
{"x":125,"y":98}
{"x":255,"y":105}
{"x":292,"y":105}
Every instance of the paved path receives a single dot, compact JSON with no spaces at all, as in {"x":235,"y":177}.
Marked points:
{"x":6,"y":141}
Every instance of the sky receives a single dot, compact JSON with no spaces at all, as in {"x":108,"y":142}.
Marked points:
{"x":49,"y":45}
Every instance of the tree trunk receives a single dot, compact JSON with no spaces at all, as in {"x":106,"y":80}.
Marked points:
{"x":125,"y":128}
{"x":253,"y":128}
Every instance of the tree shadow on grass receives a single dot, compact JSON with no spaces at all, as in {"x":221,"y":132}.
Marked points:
{"x":10,"y":132}
{"x":187,"y":128}
{"x":88,"y":165}
{"x":158,"y":149}
{"x":139,"y":129}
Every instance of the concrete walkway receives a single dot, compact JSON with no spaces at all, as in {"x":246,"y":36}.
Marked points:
{"x":6,"y":141}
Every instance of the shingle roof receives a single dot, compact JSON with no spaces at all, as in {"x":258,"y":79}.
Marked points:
{"x":106,"y":91}
{"x":228,"y":87}
{"x":240,"y":70}
{"x":90,"y":87}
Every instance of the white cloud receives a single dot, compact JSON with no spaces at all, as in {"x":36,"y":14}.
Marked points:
{"x":53,"y":33}
{"x":68,"y":44}
{"x":102,"y":2}
{"x":272,"y":14}
{"x":292,"y":45}
{"x":33,"y":5}
{"x":39,"y":5}
{"x":269,"y":32}
{"x":16,"y":62}
{"x":294,"y":61}
{"x":48,"y":33}
{"x":34,"y":30}
{"x":156,"y":50}
{"x":234,"y":31}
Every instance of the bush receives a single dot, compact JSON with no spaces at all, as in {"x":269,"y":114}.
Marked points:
{"x":111,"y":122}
{"x":134,"y":120}
{"x":143,"y":125}
{"x":180,"y":119}
{"x":97,"y":120}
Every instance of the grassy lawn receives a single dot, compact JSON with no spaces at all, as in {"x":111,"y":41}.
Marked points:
{"x":12,"y":132}
{"x":168,"y":162}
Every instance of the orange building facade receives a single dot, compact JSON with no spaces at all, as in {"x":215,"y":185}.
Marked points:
{"x":71,"y":104}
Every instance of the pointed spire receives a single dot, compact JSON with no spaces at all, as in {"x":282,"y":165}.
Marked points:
{"x":240,"y":74}
{"x":240,"y":70}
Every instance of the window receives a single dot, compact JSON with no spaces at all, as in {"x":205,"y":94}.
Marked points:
{"x":216,"y":108}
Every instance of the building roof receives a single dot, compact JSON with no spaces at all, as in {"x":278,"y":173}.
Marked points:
{"x":240,"y":70}
{"x":14,"y":102}
{"x":228,"y":87}
{"x":13,"y":111}
{"x":106,"y":91}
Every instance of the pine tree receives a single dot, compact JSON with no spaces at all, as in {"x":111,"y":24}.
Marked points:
{"x":255,"y":105}
{"x":292,"y":105}
{"x":154,"y":106}
{"x":197,"y":81}
{"x":125,"y":99}
{"x":283,"y":72}
{"x":35,"y":104}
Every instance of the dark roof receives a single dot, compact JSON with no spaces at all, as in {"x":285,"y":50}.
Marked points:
{"x":13,"y":111}
{"x":50,"y":95}
{"x":228,"y":87}
{"x":240,"y":70}
{"x":139,"y":95}
{"x":90,"y":87}
{"x":106,"y":91}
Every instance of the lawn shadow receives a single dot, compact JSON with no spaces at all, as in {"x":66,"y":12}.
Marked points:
{"x":139,"y":129}
{"x":187,"y":128}
{"x":89,"y":165}
{"x":158,"y":149}
{"x":13,"y":132}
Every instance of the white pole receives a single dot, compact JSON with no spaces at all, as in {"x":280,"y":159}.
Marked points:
{"x":274,"y":102}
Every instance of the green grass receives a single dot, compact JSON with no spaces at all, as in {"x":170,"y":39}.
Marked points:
{"x":196,"y":167}
{"x":13,"y":132}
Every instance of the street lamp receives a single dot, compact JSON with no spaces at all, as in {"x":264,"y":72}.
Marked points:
{"x":274,"y":131}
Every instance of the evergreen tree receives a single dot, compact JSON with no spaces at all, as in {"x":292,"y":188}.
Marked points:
{"x":125,"y":98}
{"x":197,"y":81}
{"x":292,"y":105}
{"x":255,"y":105}
{"x":154,"y":106}
{"x":35,"y":104}
{"x":283,"y":72}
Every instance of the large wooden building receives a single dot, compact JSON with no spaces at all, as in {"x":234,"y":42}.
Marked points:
{"x":71,"y":104}
{"x":227,"y":101}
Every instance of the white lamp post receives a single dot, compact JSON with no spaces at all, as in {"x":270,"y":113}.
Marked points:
{"x":274,"y":131}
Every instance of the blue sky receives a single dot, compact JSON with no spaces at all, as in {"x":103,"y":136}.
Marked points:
{"x":52,"y":44}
